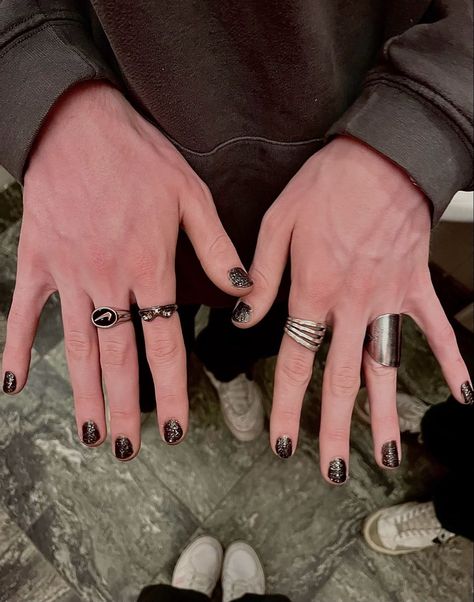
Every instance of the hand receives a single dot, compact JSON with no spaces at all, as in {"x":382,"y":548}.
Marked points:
{"x":358,"y":233}
{"x":105,"y":194}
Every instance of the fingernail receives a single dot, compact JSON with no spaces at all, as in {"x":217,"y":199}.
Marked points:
{"x":242,"y":312}
{"x":172,"y":431}
{"x":284,"y":447}
{"x":9,"y":382}
{"x":390,"y":454}
{"x":337,"y":471}
{"x":467,"y":393}
{"x":239,"y":278}
{"x":123,"y":448}
{"x":90,"y":433}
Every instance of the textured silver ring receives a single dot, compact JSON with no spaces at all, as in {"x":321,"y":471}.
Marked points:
{"x":148,"y":314}
{"x":305,"y":332}
{"x":383,"y":340}
{"x":107,"y":317}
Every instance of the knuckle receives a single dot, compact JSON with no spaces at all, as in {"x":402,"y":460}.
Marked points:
{"x":78,"y":344}
{"x":446,"y":335}
{"x":219,"y":246}
{"x":122,"y":414}
{"x":114,"y":353}
{"x":377,"y":370}
{"x":297,"y":370}
{"x":162,"y":350}
{"x":337,"y":434}
{"x":344,"y":381}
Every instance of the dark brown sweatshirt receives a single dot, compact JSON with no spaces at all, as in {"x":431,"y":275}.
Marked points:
{"x":248,"y":89}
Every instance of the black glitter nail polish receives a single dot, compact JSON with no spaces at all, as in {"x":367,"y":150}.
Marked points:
{"x":242,"y":312}
{"x":172,"y":431}
{"x":90,"y":433}
{"x":123,"y":448}
{"x":9,"y":382}
{"x":284,"y":447}
{"x":467,"y":393}
{"x":337,"y":471}
{"x":239,"y":278}
{"x":390,"y":454}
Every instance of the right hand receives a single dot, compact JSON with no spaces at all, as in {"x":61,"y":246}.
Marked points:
{"x":105,"y":194}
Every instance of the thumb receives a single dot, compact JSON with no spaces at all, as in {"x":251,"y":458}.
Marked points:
{"x":213,"y":246}
{"x":267,"y":268}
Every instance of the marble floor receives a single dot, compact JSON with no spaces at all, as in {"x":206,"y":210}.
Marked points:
{"x":76,"y":525}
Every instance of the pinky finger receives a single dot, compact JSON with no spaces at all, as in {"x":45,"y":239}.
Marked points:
{"x":22,"y":323}
{"x":431,"y":318}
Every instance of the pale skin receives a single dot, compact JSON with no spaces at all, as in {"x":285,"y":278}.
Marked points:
{"x":105,"y":195}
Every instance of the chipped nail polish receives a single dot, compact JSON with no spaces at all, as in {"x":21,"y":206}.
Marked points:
{"x":172,"y":431}
{"x":337,"y":471}
{"x":9,"y":382}
{"x":90,"y":433}
{"x":390,"y":454}
{"x":239,"y":278}
{"x":123,"y":448}
{"x":284,"y":447}
{"x":467,"y":393}
{"x":242,"y":312}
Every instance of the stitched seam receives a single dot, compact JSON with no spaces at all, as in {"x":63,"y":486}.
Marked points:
{"x":240,"y":139}
{"x":416,"y":94}
{"x":76,"y":51}
{"x":31,"y":33}
{"x":66,"y":14}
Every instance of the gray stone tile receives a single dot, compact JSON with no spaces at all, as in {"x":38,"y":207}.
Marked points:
{"x":299,"y":525}
{"x":11,"y":205}
{"x":202,"y":469}
{"x":25,"y":575}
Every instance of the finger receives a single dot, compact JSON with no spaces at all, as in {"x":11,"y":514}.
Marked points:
{"x":266,"y":271}
{"x":118,"y":359}
{"x":341,"y":383}
{"x":381,"y":384}
{"x":430,"y":317}
{"x":213,"y":247}
{"x":292,"y":375}
{"x":29,"y":298}
{"x":166,"y":357}
{"x":82,"y":352}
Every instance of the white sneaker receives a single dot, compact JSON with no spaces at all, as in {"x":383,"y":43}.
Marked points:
{"x":404,"y":528}
{"x":199,"y":566}
{"x":242,"y":406}
{"x":410,"y":410}
{"x":242,"y":572}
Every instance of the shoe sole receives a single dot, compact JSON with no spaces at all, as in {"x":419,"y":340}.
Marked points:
{"x":367,"y":533}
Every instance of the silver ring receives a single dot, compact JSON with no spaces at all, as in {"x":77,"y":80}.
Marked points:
{"x":148,"y":314}
{"x":383,"y":339}
{"x":107,"y":317}
{"x":305,"y":332}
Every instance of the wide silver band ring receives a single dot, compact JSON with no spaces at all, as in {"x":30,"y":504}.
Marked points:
{"x":305,"y":332}
{"x":148,"y":314}
{"x":108,"y":317}
{"x":383,"y":341}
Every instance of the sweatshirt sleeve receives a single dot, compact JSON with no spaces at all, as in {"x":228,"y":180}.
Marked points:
{"x":416,"y":105}
{"x":45,"y":48}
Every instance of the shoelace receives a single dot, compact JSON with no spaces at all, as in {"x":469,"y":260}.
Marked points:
{"x":237,"y":398}
{"x":239,"y":589}
{"x":198,"y":582}
{"x":421,"y":521}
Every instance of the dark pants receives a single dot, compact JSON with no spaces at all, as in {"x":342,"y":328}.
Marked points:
{"x":167,"y":593}
{"x":224,"y":349}
{"x":447,"y":430}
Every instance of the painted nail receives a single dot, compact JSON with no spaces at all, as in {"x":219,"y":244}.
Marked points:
{"x":390,"y":454}
{"x":239,"y":278}
{"x":90,"y":433}
{"x":337,"y":471}
{"x":9,"y":382}
{"x":284,"y":447}
{"x":467,"y":393}
{"x":172,"y":431}
{"x":242,"y":312}
{"x":123,"y":448}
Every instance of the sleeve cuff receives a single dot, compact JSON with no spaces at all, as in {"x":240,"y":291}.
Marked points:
{"x":35,"y":71}
{"x":415,"y":135}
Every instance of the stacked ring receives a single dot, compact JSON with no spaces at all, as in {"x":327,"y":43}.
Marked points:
{"x":148,"y":314}
{"x":305,"y":332}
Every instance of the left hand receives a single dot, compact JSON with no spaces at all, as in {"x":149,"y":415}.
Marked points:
{"x":358,"y":233}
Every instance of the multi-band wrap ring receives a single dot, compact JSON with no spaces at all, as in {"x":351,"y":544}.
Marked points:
{"x":305,"y":332}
